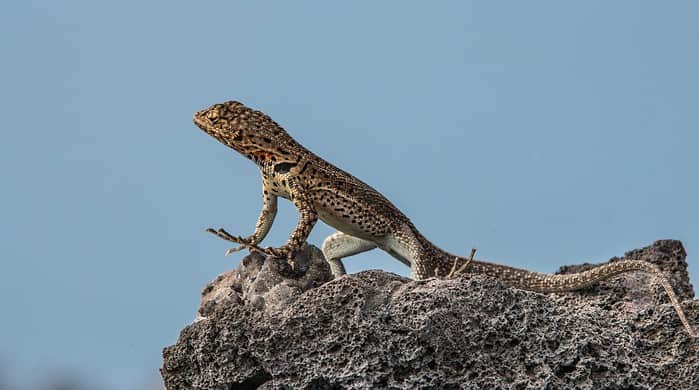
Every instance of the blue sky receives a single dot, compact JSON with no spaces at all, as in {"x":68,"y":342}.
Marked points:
{"x":543,"y":133}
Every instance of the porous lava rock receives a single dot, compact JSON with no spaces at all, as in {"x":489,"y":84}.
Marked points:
{"x":270,"y":326}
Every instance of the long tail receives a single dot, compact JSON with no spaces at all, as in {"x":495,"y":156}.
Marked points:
{"x":542,"y":282}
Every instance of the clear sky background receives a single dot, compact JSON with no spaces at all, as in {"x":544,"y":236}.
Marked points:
{"x":543,"y":133}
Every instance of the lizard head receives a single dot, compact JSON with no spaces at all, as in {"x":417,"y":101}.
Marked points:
{"x":250,"y":132}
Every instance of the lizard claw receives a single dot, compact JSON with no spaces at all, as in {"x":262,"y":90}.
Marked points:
{"x":454,"y":270}
{"x":276,"y":252}
{"x":283,"y":252}
{"x":244,"y":242}
{"x":251,"y":247}
{"x":234,"y":249}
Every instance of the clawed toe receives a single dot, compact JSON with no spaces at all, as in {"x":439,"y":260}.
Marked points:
{"x":282,"y":253}
{"x":454,"y":270}
{"x":234,"y":249}
{"x":244,"y":242}
{"x":273,"y":251}
{"x":221,"y":233}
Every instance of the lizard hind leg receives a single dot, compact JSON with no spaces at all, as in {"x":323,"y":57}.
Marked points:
{"x":339,"y":245}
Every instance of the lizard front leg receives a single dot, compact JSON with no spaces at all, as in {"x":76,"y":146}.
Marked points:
{"x":264,"y":223}
{"x":307,"y":219}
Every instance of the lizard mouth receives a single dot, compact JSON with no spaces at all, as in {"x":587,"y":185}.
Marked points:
{"x":202,"y":121}
{"x":207,"y":125}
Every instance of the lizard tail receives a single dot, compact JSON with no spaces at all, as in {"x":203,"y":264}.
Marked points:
{"x":543,"y":282}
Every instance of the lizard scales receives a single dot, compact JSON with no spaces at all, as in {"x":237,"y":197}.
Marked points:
{"x":364,"y":218}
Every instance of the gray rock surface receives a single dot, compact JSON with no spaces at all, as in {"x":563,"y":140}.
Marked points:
{"x":268,"y":326}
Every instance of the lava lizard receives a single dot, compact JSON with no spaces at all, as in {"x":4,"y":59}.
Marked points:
{"x":364,"y":218}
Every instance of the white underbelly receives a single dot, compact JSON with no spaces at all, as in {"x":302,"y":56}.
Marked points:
{"x":342,"y":224}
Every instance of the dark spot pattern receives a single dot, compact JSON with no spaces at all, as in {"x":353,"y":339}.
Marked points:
{"x":284,"y":167}
{"x":357,"y":207}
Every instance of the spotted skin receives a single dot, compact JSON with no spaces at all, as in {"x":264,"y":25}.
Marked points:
{"x":364,"y":218}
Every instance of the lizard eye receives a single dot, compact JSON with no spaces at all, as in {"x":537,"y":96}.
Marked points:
{"x":212,"y":115}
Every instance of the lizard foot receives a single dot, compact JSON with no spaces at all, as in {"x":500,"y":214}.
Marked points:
{"x":284,"y":252}
{"x":455,"y":271}
{"x":244,"y":242}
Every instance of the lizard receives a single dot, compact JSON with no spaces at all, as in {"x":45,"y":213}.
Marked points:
{"x":364,"y":218}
